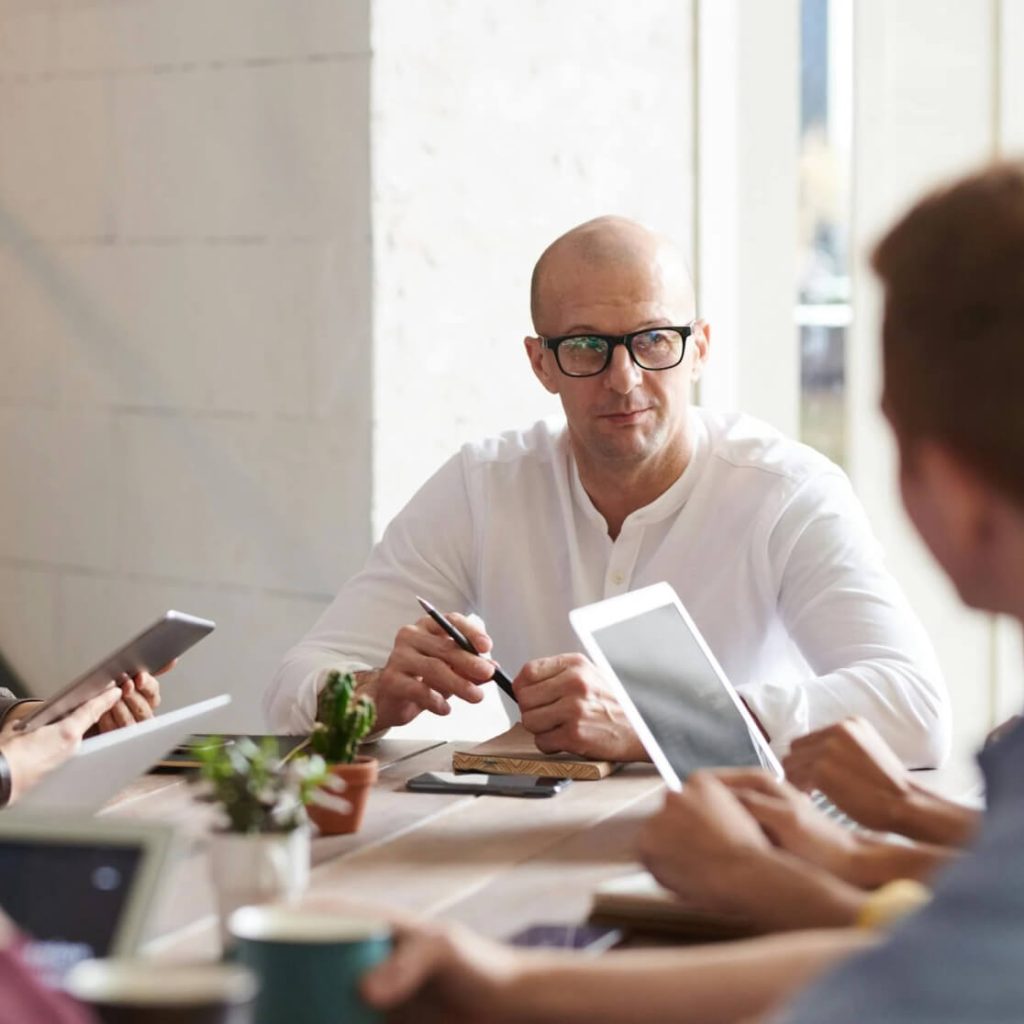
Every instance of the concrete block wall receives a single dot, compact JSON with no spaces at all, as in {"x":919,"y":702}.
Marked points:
{"x":185,"y":373}
{"x":214,"y":389}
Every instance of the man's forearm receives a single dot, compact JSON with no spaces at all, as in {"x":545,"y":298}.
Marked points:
{"x":709,"y":984}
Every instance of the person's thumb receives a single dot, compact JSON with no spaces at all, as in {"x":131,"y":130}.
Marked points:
{"x":85,"y":717}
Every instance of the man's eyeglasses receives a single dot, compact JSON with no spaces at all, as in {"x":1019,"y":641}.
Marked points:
{"x":586,"y":355}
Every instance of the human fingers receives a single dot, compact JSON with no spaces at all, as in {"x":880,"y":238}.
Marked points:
{"x":472,"y":628}
{"x":415,"y":958}
{"x":166,"y":668}
{"x":120,"y":715}
{"x":435,"y":673}
{"x":540,"y":681}
{"x":136,"y":705}
{"x":93,"y":711}
{"x":148,"y":687}
{"x":750,"y":778}
{"x":775,"y":816}
{"x":398,"y":690}
{"x":801,"y":771}
{"x":425,"y":639}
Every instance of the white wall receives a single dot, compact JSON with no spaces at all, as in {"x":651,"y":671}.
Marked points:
{"x":496,"y":127}
{"x":185,"y":267}
{"x":925,"y":103}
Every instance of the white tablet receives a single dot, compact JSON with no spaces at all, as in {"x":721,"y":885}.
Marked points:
{"x":104,"y":765}
{"x":79,"y":887}
{"x":685,"y":711}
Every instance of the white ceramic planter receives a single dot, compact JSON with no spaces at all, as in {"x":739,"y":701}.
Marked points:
{"x":257,"y":868}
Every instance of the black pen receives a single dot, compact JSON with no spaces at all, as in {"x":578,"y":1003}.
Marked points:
{"x":460,"y":638}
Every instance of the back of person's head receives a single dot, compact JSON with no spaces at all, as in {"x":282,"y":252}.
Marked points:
{"x":953,"y":334}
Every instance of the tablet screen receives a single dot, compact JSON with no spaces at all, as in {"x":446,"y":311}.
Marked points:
{"x":68,"y":898}
{"x":677,"y":692}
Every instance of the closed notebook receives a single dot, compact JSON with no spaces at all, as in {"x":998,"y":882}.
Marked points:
{"x":515,"y":753}
{"x":639,"y":903}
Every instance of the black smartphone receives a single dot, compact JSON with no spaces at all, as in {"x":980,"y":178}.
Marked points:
{"x":593,"y":938}
{"x":490,"y":785}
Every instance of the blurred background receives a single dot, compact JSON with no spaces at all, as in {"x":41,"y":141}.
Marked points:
{"x":264,"y":265}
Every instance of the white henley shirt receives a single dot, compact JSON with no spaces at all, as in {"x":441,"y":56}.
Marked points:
{"x":761,"y":537}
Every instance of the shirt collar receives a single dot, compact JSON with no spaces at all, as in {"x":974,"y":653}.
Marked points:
{"x":668,"y":503}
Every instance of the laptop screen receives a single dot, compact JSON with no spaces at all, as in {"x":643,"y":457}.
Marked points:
{"x":677,"y":691}
{"x":68,"y":898}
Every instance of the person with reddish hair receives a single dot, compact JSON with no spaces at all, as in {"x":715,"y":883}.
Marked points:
{"x":953,"y":357}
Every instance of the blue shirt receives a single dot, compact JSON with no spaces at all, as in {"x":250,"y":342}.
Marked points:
{"x":960,"y":958}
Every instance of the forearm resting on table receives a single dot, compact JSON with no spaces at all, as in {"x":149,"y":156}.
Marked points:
{"x":876,"y":861}
{"x":930,"y":818}
{"x":791,"y":894}
{"x":709,"y":984}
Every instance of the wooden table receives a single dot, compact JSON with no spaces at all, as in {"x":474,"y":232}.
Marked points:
{"x":495,"y":863}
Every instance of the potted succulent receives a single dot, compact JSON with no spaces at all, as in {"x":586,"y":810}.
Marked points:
{"x":344,"y":720}
{"x":260,"y":853}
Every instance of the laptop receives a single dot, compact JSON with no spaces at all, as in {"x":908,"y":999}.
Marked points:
{"x":79,"y":887}
{"x":104,"y":765}
{"x":672,"y":689}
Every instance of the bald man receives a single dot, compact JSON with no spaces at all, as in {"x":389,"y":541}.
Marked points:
{"x":761,"y":537}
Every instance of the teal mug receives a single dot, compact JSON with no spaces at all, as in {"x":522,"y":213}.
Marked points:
{"x":310,"y":963}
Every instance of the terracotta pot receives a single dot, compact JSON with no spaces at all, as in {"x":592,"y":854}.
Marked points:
{"x":359,"y":777}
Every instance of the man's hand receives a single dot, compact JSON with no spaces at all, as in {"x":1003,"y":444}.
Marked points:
{"x":426,"y":668}
{"x":568,"y":707}
{"x":792,"y":822}
{"x":32,"y":755}
{"x":446,"y":975}
{"x":855,"y":768}
{"x":140,"y":697}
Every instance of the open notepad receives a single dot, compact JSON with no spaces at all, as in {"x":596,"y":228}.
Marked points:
{"x":515,"y":753}
{"x":638,"y":902}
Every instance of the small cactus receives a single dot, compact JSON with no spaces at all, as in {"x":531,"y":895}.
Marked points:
{"x":344,"y":720}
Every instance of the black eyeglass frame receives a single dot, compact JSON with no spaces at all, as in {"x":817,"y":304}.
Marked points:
{"x":626,"y":340}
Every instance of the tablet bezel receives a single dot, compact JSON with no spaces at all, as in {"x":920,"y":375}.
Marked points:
{"x":104,"y":674}
{"x":589,"y":618}
{"x":154,"y":840}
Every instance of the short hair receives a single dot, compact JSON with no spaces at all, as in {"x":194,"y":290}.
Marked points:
{"x":953,"y":331}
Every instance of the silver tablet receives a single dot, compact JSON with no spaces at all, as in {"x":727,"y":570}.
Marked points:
{"x":153,"y":649}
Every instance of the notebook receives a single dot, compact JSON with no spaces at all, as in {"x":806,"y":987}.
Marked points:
{"x":515,"y":753}
{"x":637,"y":902}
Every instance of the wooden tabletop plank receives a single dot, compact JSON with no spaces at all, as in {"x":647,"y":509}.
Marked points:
{"x":185,"y":925}
{"x":466,"y":847}
{"x":556,"y":885}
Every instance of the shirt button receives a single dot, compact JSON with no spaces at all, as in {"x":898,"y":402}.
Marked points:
{"x":617,"y":578}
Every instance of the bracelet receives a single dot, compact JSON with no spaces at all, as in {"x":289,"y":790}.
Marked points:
{"x":6,"y":782}
{"x":892,"y":902}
